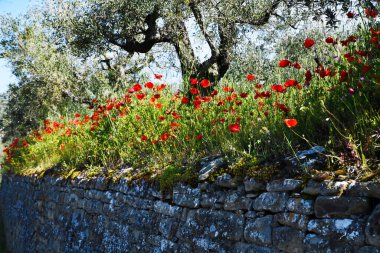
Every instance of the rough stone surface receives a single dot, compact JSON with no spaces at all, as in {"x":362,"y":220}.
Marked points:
{"x":186,"y":196}
{"x":299,"y":205}
{"x":284,"y":185}
{"x":259,"y":231}
{"x":341,"y":207}
{"x":372,"y":229}
{"x":271,"y":201}
{"x":226,"y":181}
{"x":308,"y":159}
{"x":209,"y":166}
{"x":95,"y":215}
{"x":295,"y":220}
{"x":252,"y":185}
{"x":288,"y":239}
{"x":364,"y":189}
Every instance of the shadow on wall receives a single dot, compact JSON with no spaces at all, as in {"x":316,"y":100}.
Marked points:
{"x":3,"y":248}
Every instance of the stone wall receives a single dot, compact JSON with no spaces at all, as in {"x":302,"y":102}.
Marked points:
{"x":57,"y":215}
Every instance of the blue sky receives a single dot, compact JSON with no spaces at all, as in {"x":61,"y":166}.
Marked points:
{"x":14,"y":8}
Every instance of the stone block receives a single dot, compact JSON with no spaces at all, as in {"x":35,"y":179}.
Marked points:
{"x":271,"y":201}
{"x":341,"y":207}
{"x":252,"y":185}
{"x":288,"y":239}
{"x":295,"y":220}
{"x":284,"y":185}
{"x":186,"y":196}
{"x":301,"y":206}
{"x":372,"y":229}
{"x":236,"y":201}
{"x":259,"y":230}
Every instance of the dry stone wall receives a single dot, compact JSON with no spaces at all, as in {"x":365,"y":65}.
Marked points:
{"x":82,"y":215}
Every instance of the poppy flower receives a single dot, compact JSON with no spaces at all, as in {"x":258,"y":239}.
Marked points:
{"x":187,"y":137}
{"x":234,"y":127}
{"x":149,"y":85}
{"x":193,"y":81}
{"x":308,"y":43}
{"x":137,"y":87}
{"x":366,"y":69}
{"x":157,"y":76}
{"x":350,"y":14}
{"x":77,"y":115}
{"x":329,"y":40}
{"x":290,"y":83}
{"x":290,"y":122}
{"x":200,"y":136}
{"x":205,"y":83}
{"x":250,"y":77}
{"x":308,"y":75}
{"x":144,"y":138}
{"x":197,"y":103}
{"x":243,"y":95}
{"x":374,"y":40}
{"x":140,"y":96}
{"x":284,"y":63}
{"x":160,"y":87}
{"x":258,"y":86}
{"x":283,"y":108}
{"x":157,"y":96}
{"x":194,"y":91}
{"x":296,"y":65}
{"x":185,"y":100}
{"x":371,"y":13}
{"x":278,"y":88}
{"x":161,"y":118}
{"x":164,"y":137}
{"x":343,"y":76}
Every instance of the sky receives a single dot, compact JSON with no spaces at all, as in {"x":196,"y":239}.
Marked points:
{"x":14,"y":8}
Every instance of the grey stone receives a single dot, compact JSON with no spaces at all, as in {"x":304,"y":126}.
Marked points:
{"x":271,"y":201}
{"x":331,"y":188}
{"x":213,"y":224}
{"x":211,"y":199}
{"x":299,"y":205}
{"x":369,"y":249}
{"x":226,"y":181}
{"x":203,"y":245}
{"x":348,"y":230}
{"x":259,"y":231}
{"x":209,"y":167}
{"x":288,"y":239}
{"x":314,"y":243}
{"x":252,"y":248}
{"x":312,"y":188}
{"x":308,"y":159}
{"x":295,"y":220}
{"x":250,"y":214}
{"x":185,"y":196}
{"x":252,"y":185}
{"x":341,"y":207}
{"x":235,"y":201}
{"x":284,"y":185}
{"x":166,"y":209}
{"x":364,"y":189}
{"x":372,"y":229}
{"x":168,"y":227}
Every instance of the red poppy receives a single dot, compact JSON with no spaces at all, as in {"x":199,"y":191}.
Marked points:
{"x":283,"y":108}
{"x":205,"y":83}
{"x":329,"y":40}
{"x":374,"y":40}
{"x":366,"y":69}
{"x":188,"y":138}
{"x":144,"y":138}
{"x":140,"y":96}
{"x":174,"y":124}
{"x":243,"y":95}
{"x":160,"y":87}
{"x":193,"y":81}
{"x":290,"y":122}
{"x":161,"y":118}
{"x":149,"y":85}
{"x":77,"y":115}
{"x":290,"y":83}
{"x":199,"y":136}
{"x":197,"y":103}
{"x":194,"y":91}
{"x":258,"y":86}
{"x":137,"y":87}
{"x":296,"y":65}
{"x":234,"y":128}
{"x":164,"y":137}
{"x":157,"y":76}
{"x":157,"y":96}
{"x":284,"y":63}
{"x":350,"y":14}
{"x":278,"y":88}
{"x":308,"y":75}
{"x":185,"y":100}
{"x":250,"y":77}
{"x":371,"y":13}
{"x":308,"y":43}
{"x":343,"y":76}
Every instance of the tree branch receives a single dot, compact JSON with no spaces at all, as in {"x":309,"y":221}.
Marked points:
{"x":198,"y":17}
